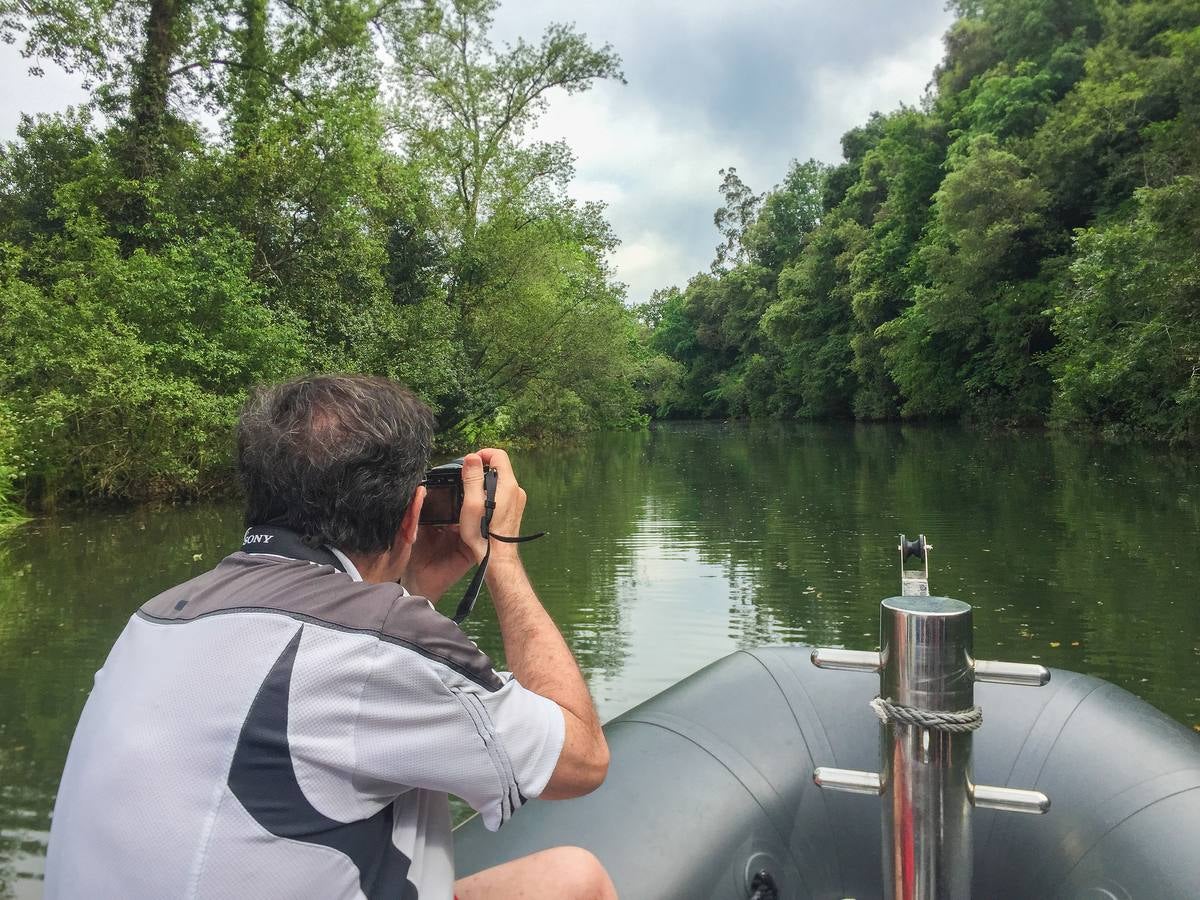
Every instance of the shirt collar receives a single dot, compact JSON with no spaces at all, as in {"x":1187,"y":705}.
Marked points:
{"x":352,"y":570}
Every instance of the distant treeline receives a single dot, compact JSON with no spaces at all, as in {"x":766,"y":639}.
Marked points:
{"x":1022,"y":248}
{"x":252,"y":193}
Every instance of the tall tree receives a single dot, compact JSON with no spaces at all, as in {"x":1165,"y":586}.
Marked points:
{"x":166,"y":31}
{"x":465,"y":106}
{"x":733,"y":219}
{"x":527,"y":276}
{"x":252,"y":88}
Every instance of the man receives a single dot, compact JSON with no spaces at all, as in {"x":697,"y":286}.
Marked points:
{"x":290,"y":723}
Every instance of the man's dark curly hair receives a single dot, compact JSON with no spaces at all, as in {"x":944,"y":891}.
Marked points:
{"x":333,"y":457}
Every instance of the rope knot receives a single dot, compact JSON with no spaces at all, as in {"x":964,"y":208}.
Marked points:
{"x":962,"y":722}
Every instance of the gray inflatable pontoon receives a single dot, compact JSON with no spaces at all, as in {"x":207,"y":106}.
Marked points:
{"x":712,"y":783}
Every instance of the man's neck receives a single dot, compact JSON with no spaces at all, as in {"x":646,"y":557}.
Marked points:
{"x":376,"y":568}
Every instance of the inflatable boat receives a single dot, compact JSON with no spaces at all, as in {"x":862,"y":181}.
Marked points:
{"x":792,"y":772}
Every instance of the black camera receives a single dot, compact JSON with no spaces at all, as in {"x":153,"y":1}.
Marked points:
{"x":444,"y":493}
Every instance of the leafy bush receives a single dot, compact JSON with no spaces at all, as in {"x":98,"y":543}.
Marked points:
{"x":125,"y":371}
{"x":1130,"y":326}
{"x":13,"y":459}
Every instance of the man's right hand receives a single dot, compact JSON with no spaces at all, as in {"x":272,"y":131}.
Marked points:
{"x":510,"y":502}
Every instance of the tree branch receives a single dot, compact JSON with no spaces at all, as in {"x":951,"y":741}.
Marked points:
{"x":237,"y":64}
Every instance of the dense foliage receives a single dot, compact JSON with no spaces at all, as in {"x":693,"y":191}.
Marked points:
{"x":250,"y":194}
{"x":1022,"y":248}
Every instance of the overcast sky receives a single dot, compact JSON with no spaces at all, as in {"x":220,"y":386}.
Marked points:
{"x":711,"y":83}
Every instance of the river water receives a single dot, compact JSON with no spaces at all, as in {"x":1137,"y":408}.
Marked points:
{"x":670,"y":548}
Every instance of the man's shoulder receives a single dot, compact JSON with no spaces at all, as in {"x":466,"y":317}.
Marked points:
{"x":413,"y":622}
{"x":257,"y":583}
{"x":324,"y":596}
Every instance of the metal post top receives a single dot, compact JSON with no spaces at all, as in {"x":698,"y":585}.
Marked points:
{"x":925,"y":648}
{"x":926,"y":606}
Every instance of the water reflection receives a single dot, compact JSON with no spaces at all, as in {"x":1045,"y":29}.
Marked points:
{"x":672,"y":547}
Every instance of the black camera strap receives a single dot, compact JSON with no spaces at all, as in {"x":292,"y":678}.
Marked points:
{"x":467,"y":603}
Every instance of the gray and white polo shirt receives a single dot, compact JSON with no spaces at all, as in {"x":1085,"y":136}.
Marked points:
{"x":278,"y":728}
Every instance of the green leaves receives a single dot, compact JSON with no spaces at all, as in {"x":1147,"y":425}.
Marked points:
{"x":1024,"y":245}
{"x":464,"y":107}
{"x":1130,"y":323}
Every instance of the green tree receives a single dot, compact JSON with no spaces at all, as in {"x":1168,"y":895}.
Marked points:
{"x":733,"y":219}
{"x":788,"y":214}
{"x":970,"y":343}
{"x":1121,"y":126}
{"x":465,"y":106}
{"x":546,"y":341}
{"x":898,"y":173}
{"x":1130,"y":321}
{"x":811,"y":324}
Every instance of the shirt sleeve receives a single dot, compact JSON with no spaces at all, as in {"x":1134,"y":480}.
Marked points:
{"x":437,"y":716}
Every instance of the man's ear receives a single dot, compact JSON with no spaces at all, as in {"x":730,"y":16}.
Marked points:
{"x":412,"y":517}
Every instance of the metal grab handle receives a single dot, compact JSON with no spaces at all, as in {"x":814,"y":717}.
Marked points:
{"x":983,"y":796}
{"x":849,"y":781}
{"x":1028,"y":674}
{"x":846,"y":660}
{"x":994,"y":671}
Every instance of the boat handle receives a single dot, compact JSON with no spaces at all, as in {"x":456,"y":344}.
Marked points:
{"x":1028,"y":674}
{"x":983,"y":796}
{"x":847,"y":660}
{"x":849,"y":781}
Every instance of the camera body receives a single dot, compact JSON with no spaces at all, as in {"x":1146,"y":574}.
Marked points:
{"x":444,"y":493}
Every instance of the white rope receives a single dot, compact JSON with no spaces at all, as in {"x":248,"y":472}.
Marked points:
{"x":961,"y":722}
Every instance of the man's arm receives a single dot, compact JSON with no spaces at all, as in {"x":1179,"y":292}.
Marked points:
{"x":540,"y":659}
{"x":535,"y":651}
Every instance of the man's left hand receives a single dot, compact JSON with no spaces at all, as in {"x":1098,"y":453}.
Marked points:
{"x":439,"y":558}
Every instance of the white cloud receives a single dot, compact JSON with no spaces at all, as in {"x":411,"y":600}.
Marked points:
{"x":658,"y":180}
{"x":845,"y":98}
{"x":655,"y":161}
{"x":642,"y":258}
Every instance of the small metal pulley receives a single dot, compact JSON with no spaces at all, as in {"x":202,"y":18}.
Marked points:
{"x":914,"y":582}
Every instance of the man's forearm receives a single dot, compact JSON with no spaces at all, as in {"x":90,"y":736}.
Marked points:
{"x":535,"y":650}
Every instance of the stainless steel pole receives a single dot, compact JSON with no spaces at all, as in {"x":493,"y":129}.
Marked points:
{"x":927,"y":670}
{"x":926,"y":656}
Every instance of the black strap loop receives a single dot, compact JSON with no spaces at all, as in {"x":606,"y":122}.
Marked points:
{"x":518,"y":540}
{"x":471,"y":594}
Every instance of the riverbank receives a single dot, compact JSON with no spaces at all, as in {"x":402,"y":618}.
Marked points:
{"x":225,"y":488}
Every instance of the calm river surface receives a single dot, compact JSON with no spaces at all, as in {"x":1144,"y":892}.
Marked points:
{"x":673,"y":547}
